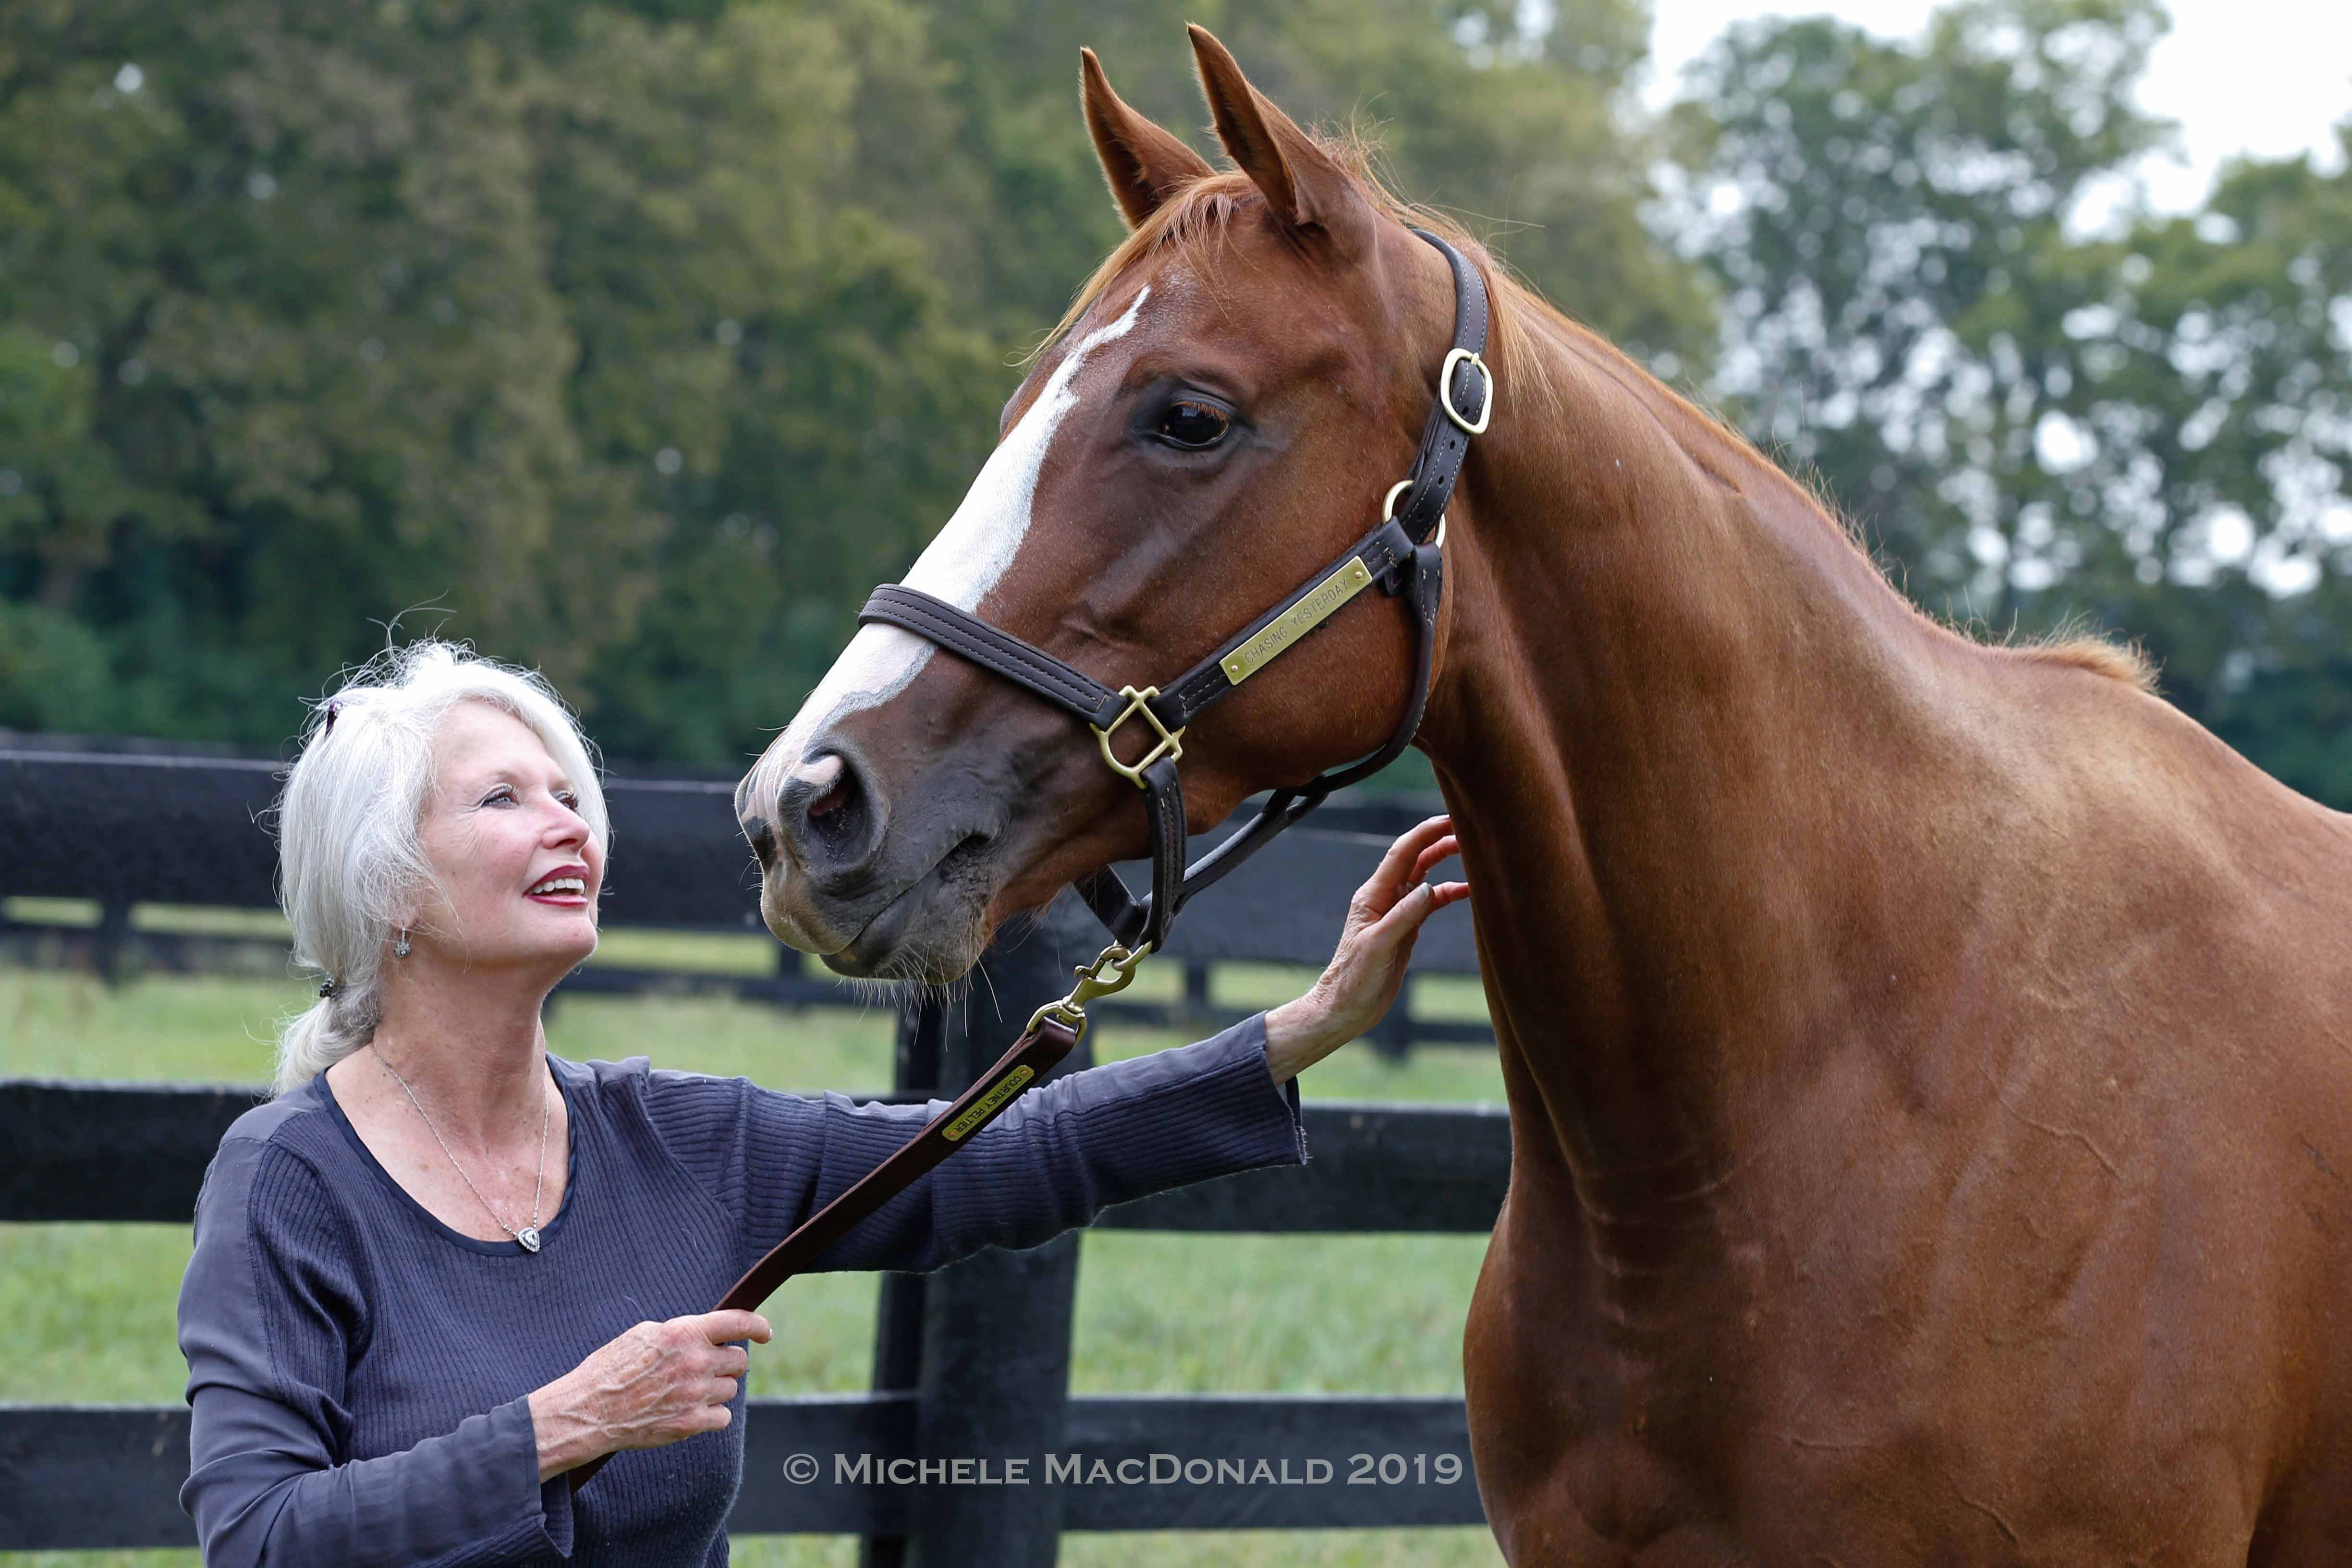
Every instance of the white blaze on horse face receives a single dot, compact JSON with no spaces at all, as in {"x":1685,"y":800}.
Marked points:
{"x":968,"y":557}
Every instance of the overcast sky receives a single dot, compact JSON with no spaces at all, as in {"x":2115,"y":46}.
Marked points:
{"x":2268,"y":77}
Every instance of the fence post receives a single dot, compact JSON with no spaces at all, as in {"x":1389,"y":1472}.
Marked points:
{"x":1196,"y":990}
{"x":995,"y":1359}
{"x":113,"y":936}
{"x":1392,"y":1036}
{"x":899,"y":1315}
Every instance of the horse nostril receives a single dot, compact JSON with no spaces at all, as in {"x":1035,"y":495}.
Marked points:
{"x":823,"y":783}
{"x":827,"y":813}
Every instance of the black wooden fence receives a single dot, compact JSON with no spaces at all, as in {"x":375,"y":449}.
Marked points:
{"x":972,"y":1363}
{"x":98,"y":823}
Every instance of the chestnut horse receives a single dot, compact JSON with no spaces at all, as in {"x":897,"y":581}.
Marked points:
{"x":1929,"y":1064}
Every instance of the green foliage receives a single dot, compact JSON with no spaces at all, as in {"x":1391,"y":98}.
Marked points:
{"x":2043,"y":417}
{"x":631,"y":340}
{"x":635,"y":340}
{"x":1520,"y":133}
{"x":1886,"y":224}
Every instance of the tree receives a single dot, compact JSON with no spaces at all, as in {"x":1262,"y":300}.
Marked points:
{"x":1519,"y":128}
{"x":332,"y":311}
{"x":631,"y":340}
{"x":2034,"y":424}
{"x":2210,"y":431}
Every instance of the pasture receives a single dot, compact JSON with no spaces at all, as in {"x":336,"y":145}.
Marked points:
{"x":86,"y":1311}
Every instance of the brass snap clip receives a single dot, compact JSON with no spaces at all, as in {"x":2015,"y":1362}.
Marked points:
{"x":1112,"y":971}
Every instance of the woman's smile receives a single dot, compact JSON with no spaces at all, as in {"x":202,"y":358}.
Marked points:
{"x":565,"y":887}
{"x":504,"y":823}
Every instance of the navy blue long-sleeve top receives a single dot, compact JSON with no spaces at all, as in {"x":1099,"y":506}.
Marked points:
{"x":358,"y":1373}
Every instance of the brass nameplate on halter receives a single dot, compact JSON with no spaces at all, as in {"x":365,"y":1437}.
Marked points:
{"x":1296,"y":622}
{"x":988,"y":1103}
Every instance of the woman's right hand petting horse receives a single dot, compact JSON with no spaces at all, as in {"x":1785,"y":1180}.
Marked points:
{"x":1929,"y":1063}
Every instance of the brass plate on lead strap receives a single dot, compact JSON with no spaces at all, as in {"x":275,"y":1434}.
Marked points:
{"x":988,"y":1103}
{"x":1296,"y":622}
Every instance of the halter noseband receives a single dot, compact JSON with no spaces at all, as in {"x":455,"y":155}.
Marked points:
{"x":1402,"y":556}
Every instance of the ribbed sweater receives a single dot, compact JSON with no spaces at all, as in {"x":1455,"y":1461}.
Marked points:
{"x":358,"y":1373}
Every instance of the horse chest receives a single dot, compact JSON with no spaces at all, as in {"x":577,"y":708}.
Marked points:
{"x":1687,"y":1424}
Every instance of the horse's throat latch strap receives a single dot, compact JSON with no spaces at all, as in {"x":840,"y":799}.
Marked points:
{"x":1402,"y":556}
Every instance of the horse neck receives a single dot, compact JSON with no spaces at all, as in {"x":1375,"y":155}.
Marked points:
{"x":1686,"y":731}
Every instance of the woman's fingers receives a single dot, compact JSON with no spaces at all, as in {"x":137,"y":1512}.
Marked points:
{"x":1415,"y":840}
{"x":1443,"y":850}
{"x":1431,"y":844}
{"x":1396,"y":875}
{"x":1400,"y":925}
{"x":1442,"y":894}
{"x":734,"y":1323}
{"x":1361,"y":983}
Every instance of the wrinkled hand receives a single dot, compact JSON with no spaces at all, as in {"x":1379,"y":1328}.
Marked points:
{"x":653,"y":1385}
{"x":1361,"y":983}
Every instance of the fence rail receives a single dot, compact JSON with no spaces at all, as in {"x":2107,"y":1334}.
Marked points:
{"x":108,"y":1476}
{"x":972,"y":1361}
{"x":115,"y":1152}
{"x":125,"y":828}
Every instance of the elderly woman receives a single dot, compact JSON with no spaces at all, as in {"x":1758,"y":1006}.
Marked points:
{"x":443,"y":1267}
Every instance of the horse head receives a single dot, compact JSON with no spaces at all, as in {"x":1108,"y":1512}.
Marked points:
{"x":1224,"y":408}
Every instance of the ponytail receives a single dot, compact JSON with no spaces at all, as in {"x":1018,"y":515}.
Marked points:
{"x":320,"y":1035}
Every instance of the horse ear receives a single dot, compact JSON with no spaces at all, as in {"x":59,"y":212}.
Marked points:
{"x":1144,"y":165}
{"x":1302,"y":184}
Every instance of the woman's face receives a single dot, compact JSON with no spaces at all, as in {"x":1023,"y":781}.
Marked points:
{"x":517,"y":867}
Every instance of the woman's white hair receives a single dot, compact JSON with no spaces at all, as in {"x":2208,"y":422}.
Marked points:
{"x":349,"y":860}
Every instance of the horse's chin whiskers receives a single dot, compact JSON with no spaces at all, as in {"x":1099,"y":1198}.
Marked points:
{"x":901,"y":987}
{"x":874,"y":991}
{"x":994,"y":1000}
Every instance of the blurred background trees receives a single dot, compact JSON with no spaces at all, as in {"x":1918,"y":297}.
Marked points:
{"x":2043,"y":407}
{"x":635,"y":340}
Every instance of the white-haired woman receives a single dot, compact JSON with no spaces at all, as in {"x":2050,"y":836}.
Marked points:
{"x":444,"y":1268}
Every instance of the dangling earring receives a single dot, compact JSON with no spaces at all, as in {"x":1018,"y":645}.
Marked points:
{"x":401,"y":949}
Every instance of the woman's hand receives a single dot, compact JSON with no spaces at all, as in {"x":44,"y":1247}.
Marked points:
{"x":1363,"y":979}
{"x":654,"y":1385}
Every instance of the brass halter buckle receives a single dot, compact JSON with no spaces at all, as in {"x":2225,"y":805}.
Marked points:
{"x":1111,"y":972}
{"x":1171,"y":744}
{"x":1445,"y":390}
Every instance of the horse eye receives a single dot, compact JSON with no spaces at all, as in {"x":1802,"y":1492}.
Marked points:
{"x":1193,"y":425}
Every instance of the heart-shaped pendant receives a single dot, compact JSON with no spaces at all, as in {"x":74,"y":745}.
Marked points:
{"x":529,"y":1237}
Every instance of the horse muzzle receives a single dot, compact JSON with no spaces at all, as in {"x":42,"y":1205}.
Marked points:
{"x":877,"y":887}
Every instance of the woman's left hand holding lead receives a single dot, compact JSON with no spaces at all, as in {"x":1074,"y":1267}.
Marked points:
{"x":1361,"y":983}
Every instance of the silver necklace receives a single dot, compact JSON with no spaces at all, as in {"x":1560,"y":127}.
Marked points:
{"x":528,"y":1234}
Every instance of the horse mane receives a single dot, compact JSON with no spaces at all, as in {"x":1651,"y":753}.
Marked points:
{"x":1195,"y":222}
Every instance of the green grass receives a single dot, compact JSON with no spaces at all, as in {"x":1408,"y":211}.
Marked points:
{"x":87,"y":1311}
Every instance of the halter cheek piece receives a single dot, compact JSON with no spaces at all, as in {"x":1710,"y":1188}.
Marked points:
{"x":1402,"y":557}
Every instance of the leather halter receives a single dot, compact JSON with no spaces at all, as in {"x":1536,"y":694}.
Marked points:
{"x":1404,"y":556}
